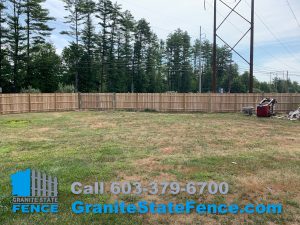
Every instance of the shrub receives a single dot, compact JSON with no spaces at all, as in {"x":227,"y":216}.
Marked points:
{"x":65,"y":88}
{"x":30,"y":89}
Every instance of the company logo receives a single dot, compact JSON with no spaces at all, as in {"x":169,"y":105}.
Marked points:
{"x":34,"y":192}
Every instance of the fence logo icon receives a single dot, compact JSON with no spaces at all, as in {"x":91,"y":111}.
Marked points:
{"x":34,"y":192}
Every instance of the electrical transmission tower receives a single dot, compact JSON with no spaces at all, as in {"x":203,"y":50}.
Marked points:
{"x":232,"y":48}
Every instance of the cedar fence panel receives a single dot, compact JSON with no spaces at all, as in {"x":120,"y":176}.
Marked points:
{"x":42,"y":102}
{"x":162,"y":102}
{"x":126,"y":101}
{"x":14,"y":103}
{"x":67,"y":101}
{"x":97,"y":101}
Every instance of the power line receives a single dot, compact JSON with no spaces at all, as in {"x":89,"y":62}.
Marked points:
{"x":273,"y":34}
{"x":292,"y":11}
{"x":265,"y":49}
{"x":238,"y":29}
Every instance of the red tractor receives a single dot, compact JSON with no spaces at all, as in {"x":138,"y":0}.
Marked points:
{"x":266,"y":108}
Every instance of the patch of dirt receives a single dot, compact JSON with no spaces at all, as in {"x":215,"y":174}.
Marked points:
{"x":43,"y":129}
{"x":97,"y":125}
{"x":133,"y":178}
{"x":268,"y":186}
{"x":251,"y":184}
{"x":151,"y":164}
{"x":101,"y":125}
{"x":167,"y":150}
{"x":147,"y":162}
{"x":57,"y":114}
{"x":165,"y":177}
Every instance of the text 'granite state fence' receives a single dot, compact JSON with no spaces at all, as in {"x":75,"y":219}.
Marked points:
{"x":164,"y":102}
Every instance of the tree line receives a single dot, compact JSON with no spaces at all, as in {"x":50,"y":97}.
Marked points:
{"x":110,"y":51}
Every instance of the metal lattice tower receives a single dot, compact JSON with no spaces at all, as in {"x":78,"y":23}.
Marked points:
{"x":232,"y":48}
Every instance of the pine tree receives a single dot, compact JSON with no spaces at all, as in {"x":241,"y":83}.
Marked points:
{"x":196,"y":64}
{"x":37,"y":29}
{"x":161,"y":84}
{"x":88,"y":37}
{"x":3,"y":31}
{"x":152,"y":64}
{"x":112,"y":76}
{"x":16,"y":39}
{"x":74,"y":19}
{"x":46,"y":68}
{"x":141,"y":45}
{"x":104,"y":10}
{"x":126,"y":51}
{"x":179,"y":54}
{"x":187,"y":72}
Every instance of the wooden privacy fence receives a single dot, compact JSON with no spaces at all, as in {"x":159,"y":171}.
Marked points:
{"x":164,"y":102}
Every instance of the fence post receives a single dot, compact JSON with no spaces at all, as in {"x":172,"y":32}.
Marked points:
{"x":291,"y":100}
{"x":114,"y":101}
{"x":55,"y":107}
{"x":209,"y":103}
{"x":136,"y":101}
{"x":170,"y":103}
{"x":79,"y":100}
{"x":235,"y":103}
{"x":29,"y":103}
{"x":254,"y":100}
{"x":184,"y":102}
{"x":1,"y":106}
{"x":160,"y":102}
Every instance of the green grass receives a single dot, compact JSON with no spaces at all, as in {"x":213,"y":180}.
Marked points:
{"x":259,"y":158}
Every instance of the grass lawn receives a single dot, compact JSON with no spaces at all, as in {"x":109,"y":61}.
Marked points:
{"x":129,"y":146}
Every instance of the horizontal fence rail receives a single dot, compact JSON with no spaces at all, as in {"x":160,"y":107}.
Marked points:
{"x":161,"y":102}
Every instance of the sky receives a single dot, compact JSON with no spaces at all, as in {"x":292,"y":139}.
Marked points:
{"x":277,"y":29}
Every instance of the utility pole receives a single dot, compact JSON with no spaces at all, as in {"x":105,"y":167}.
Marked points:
{"x":251,"y":48}
{"x":214,"y":64}
{"x":200,"y":62}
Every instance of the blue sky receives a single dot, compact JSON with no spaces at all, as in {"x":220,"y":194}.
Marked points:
{"x":277,"y":32}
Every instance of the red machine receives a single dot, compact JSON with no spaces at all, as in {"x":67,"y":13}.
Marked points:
{"x":266,"y":108}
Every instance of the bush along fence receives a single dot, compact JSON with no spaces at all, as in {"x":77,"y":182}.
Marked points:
{"x":161,"y":102}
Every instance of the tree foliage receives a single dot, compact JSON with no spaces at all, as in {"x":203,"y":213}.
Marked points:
{"x":109,"y":51}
